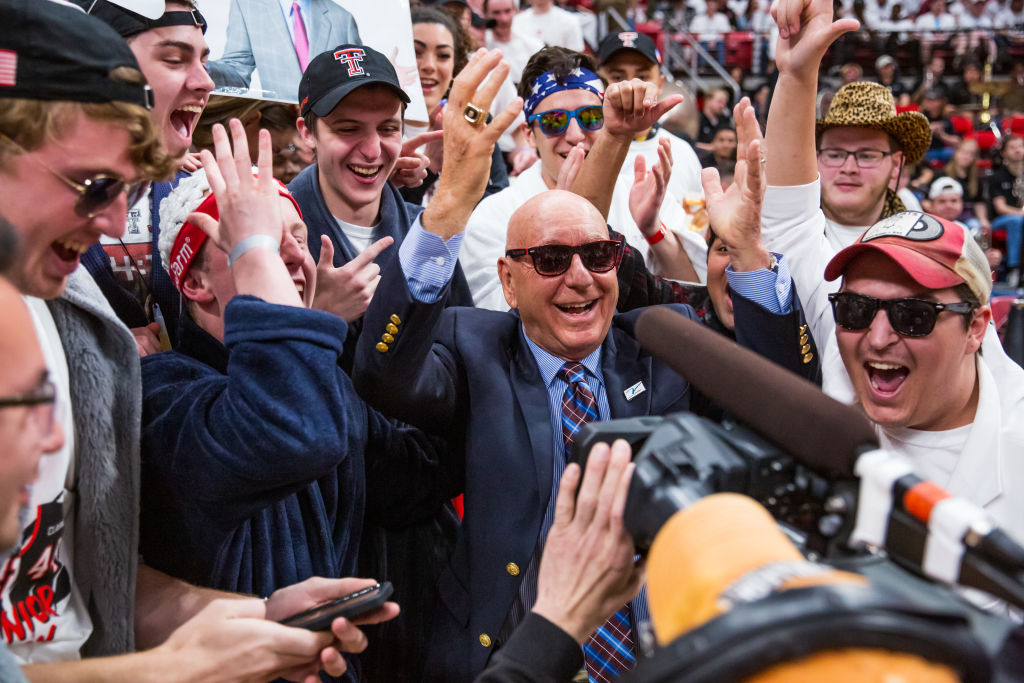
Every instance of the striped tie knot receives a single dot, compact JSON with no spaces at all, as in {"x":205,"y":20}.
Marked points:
{"x":578,"y":403}
{"x":573,"y":373}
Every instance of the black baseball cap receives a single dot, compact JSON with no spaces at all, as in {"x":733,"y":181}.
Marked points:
{"x":55,"y":51}
{"x":334,"y":74}
{"x":128,"y":23}
{"x":627,"y":40}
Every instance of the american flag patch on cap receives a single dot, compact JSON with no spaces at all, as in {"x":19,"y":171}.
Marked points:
{"x":8,"y":67}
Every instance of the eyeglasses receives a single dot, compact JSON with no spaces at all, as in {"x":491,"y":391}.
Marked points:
{"x":908,"y":317}
{"x":556,"y":121}
{"x":864,"y":158}
{"x":42,"y":402}
{"x":550,"y":260}
{"x":95,"y":193}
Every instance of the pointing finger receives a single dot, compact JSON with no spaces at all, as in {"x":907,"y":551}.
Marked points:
{"x":326,"y":252}
{"x":371,"y":252}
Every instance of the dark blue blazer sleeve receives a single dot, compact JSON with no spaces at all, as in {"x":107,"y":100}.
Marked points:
{"x":537,"y":652}
{"x":782,"y":338}
{"x":416,"y":378}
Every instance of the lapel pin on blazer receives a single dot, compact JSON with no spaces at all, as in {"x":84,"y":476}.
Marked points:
{"x":634,"y":391}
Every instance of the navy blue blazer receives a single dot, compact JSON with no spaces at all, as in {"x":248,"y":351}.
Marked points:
{"x":469,"y":375}
{"x":396,"y":217}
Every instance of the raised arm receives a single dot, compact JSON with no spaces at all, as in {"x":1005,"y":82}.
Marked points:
{"x":468,"y":145}
{"x":630,"y":107}
{"x":645,"y":200}
{"x":806,"y":30}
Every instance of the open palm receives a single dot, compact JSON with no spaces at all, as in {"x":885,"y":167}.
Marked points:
{"x":735,"y":213}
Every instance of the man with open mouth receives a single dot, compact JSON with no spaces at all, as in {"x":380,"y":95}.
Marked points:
{"x":563,"y":98}
{"x":351,"y":108}
{"x":508,"y":390}
{"x":76,"y":601}
{"x":172,"y":54}
{"x":902,"y":314}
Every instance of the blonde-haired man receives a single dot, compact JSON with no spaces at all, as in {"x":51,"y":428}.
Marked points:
{"x":74,"y":587}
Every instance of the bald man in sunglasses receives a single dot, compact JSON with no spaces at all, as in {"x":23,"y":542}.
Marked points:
{"x":563,"y":99}
{"x":509,"y":390}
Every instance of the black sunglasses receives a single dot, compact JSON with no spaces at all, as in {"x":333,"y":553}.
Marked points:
{"x":908,"y":317}
{"x":95,"y":193}
{"x":550,"y":260}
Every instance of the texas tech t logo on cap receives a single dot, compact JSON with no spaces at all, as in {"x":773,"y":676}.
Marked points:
{"x":352,"y":57}
{"x":628,"y":38}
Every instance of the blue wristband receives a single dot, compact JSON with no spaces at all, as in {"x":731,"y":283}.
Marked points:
{"x":251,"y":243}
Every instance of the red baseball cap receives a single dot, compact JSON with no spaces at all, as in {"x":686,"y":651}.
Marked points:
{"x":191,"y":237}
{"x":935,"y":252}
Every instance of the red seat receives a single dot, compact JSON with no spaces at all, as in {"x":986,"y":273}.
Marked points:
{"x":739,"y":49}
{"x":962,"y":125}
{"x":1014,"y":124}
{"x":986,"y":140}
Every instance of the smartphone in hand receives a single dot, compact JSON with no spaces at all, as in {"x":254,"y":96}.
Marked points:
{"x":349,"y":606}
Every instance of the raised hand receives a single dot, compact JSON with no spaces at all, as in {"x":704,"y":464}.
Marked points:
{"x":346,"y":291}
{"x":735,"y":214}
{"x":631,"y":107}
{"x":411,"y":168}
{"x":468,"y":145}
{"x":248,"y":206}
{"x":406,"y":74}
{"x":649,"y":187}
{"x":587,"y":571}
{"x":251,"y":226}
{"x":806,"y":30}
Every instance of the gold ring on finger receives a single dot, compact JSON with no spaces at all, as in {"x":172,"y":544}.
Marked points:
{"x":473,"y":113}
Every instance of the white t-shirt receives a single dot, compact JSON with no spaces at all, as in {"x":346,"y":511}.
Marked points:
{"x":841,"y":236}
{"x":517,"y":51}
{"x":934,"y":455}
{"x":554,"y":27}
{"x":135,"y":256}
{"x":43,"y":617}
{"x":359,"y":235}
{"x":710,"y":28}
{"x":1010,"y":19}
{"x":968,"y":21}
{"x":909,"y":199}
{"x":484,"y":243}
{"x":930,"y":22}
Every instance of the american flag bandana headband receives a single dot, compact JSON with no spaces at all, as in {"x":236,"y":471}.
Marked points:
{"x":547,"y":84}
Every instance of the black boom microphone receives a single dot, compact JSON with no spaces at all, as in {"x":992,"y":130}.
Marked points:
{"x":825,"y":435}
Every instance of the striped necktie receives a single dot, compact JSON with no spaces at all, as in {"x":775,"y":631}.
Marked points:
{"x":609,"y":651}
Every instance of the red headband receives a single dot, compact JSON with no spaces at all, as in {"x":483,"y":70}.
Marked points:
{"x":191,"y":237}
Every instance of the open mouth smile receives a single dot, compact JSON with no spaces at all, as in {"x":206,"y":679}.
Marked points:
{"x":886,"y":378}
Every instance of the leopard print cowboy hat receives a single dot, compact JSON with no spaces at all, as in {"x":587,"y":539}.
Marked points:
{"x":870,"y":105}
